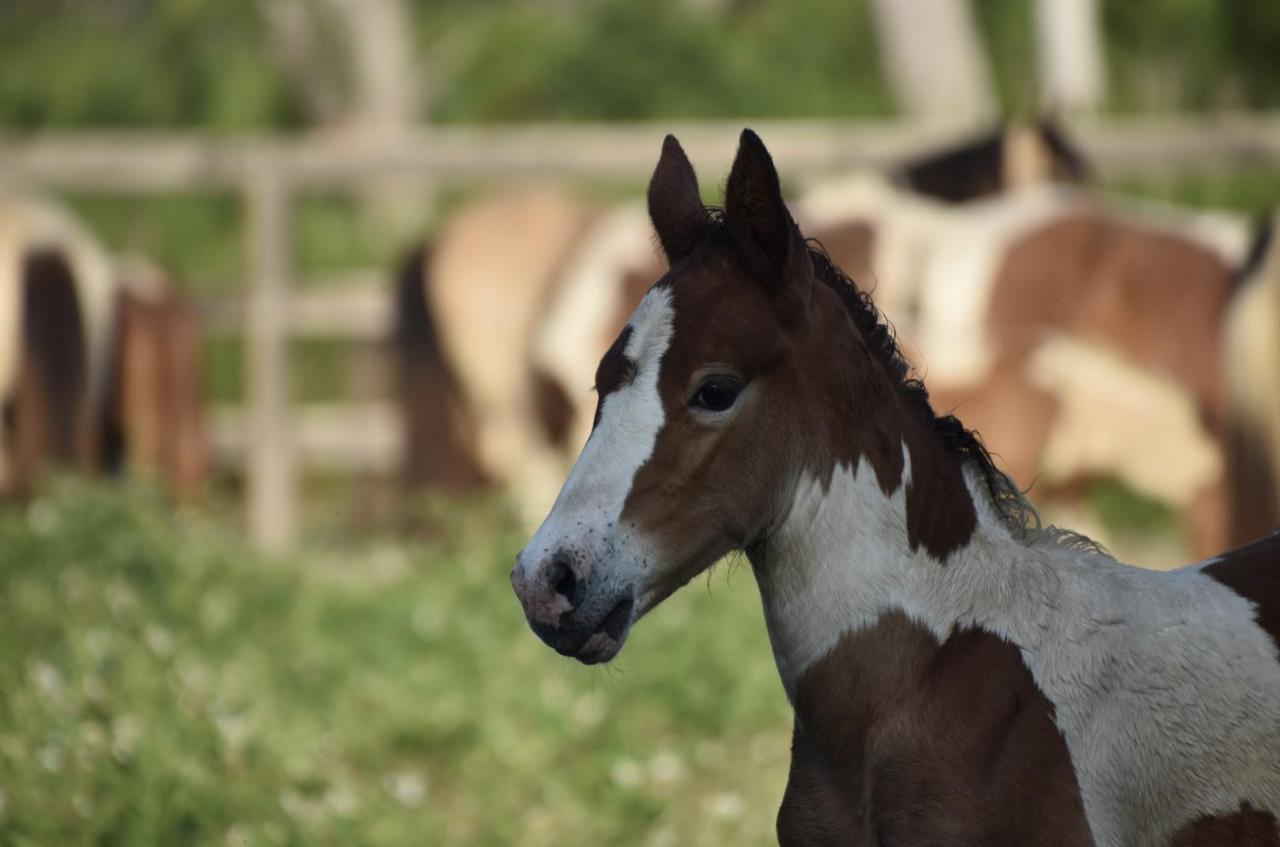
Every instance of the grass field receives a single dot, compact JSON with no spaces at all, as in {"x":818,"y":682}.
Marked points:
{"x":160,"y":685}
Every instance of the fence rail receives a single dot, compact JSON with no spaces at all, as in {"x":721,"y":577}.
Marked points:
{"x":156,"y":162}
{"x":273,"y":440}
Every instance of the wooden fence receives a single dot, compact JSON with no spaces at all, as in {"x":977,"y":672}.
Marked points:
{"x":273,"y":440}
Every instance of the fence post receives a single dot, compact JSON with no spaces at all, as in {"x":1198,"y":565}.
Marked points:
{"x":1069,"y":48}
{"x":933,"y":56}
{"x":270,"y":469}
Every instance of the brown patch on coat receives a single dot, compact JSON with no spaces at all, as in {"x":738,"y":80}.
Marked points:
{"x":1248,"y":827}
{"x":941,"y":516}
{"x":153,"y":420}
{"x":440,"y":450}
{"x":1154,"y":297}
{"x":944,"y":743}
{"x":48,"y":417}
{"x":1253,"y":572}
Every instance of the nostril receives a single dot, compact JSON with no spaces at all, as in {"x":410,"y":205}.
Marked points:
{"x":564,"y":581}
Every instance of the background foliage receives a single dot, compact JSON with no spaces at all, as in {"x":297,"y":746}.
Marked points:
{"x":196,"y":63}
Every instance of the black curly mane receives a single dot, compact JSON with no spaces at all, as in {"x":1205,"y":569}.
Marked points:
{"x":878,"y":334}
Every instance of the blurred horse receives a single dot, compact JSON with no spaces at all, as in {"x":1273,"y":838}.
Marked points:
{"x":1084,"y":337}
{"x":99,"y":365}
{"x":489,"y":330}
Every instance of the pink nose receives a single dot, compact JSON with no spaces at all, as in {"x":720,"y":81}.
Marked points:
{"x":550,"y":592}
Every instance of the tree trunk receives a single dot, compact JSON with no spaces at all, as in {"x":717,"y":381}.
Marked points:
{"x":1072,"y":70}
{"x":934,"y":59}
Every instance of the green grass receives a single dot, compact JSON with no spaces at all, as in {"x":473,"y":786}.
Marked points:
{"x":161,"y":685}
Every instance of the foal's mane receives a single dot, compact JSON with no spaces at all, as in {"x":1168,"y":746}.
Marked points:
{"x":1006,"y":499}
{"x":1014,"y":509}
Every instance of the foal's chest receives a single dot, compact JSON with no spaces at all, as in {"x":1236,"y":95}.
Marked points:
{"x":949,"y":744}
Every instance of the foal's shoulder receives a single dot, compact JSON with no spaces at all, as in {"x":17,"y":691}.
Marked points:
{"x":1253,"y":572}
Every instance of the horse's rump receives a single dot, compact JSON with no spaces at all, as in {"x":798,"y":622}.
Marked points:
{"x":153,"y":420}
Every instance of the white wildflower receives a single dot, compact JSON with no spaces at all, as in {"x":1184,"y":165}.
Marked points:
{"x":588,"y":711}
{"x":627,"y":773}
{"x":46,"y":679}
{"x":666,"y":767}
{"x":727,"y":805}
{"x":408,"y":788}
{"x":50,"y":758}
{"x":159,"y":640}
{"x":125,"y":732}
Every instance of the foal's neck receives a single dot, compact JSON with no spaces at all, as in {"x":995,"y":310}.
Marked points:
{"x":851,"y":550}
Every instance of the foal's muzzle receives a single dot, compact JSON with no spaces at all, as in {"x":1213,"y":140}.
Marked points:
{"x":574,"y":614}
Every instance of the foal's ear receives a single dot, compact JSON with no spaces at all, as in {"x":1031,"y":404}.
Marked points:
{"x":756,"y":213}
{"x":675,"y":206}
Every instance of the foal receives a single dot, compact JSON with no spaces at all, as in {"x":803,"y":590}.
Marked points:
{"x":959,"y":675}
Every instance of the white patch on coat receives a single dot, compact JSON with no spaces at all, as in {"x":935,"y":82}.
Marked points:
{"x":586,"y":516}
{"x":1165,"y":688}
{"x":1162,"y":450}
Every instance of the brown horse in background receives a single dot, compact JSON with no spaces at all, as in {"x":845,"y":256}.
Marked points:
{"x":154,"y":423}
{"x":1047,"y":317}
{"x":99,"y":364}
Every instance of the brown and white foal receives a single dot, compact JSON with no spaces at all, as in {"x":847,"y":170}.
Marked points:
{"x":959,"y":675}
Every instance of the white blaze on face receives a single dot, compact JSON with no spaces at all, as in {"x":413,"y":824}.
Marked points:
{"x":586,"y":515}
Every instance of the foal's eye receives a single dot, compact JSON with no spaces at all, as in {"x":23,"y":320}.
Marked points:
{"x":716,"y":394}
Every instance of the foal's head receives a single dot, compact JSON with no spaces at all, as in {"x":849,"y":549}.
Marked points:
{"x":751,"y":364}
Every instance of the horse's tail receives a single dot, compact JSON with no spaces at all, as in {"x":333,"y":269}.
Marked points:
{"x":438,"y":448}
{"x":1252,"y":362}
{"x":49,"y":416}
